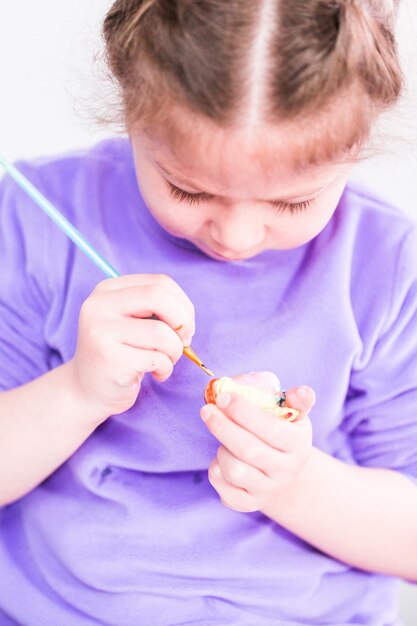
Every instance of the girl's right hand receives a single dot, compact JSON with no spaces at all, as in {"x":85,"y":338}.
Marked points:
{"x":117,"y":344}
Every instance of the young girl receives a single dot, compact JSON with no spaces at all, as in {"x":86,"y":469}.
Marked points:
{"x":228,"y":214}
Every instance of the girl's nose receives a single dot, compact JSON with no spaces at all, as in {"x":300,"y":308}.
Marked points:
{"x":237,"y":231}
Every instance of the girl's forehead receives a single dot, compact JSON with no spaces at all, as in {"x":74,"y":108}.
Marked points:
{"x":251,"y":161}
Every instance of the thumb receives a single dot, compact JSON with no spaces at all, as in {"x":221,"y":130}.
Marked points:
{"x":301,"y":398}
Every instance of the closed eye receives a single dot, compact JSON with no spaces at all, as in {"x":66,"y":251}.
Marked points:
{"x":293,"y":207}
{"x":186,"y":196}
{"x":197,"y":198}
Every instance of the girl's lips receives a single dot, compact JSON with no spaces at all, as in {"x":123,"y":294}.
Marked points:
{"x":222,"y":255}
{"x":228,"y":257}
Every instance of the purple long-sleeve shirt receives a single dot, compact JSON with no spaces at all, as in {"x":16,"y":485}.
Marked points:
{"x":128,"y":531}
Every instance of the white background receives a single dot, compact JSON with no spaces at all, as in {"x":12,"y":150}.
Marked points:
{"x":50,"y":85}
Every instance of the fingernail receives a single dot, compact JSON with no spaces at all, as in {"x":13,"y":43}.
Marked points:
{"x":302,"y":392}
{"x":205,"y":413}
{"x":216,"y":471}
{"x":187,"y":340}
{"x":223,"y":400}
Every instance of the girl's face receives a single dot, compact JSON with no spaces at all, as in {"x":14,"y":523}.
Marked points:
{"x":233,"y":193}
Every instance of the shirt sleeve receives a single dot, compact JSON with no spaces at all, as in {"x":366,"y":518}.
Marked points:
{"x":381,"y":405}
{"x":24,"y":354}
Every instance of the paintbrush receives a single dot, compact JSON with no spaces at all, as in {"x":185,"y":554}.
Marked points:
{"x":79,"y":240}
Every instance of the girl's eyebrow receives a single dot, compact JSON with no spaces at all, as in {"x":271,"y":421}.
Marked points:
{"x":182,"y":181}
{"x":188,"y":183}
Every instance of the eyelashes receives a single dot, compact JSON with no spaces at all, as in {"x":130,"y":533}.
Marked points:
{"x":197,"y":198}
{"x":292,"y":207}
{"x":185,"y":196}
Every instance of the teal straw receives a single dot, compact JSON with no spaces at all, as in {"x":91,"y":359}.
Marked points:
{"x":59,"y":219}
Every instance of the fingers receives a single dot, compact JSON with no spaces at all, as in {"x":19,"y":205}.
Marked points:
{"x":140,"y":361}
{"x":144,"y":301}
{"x":148,"y":335}
{"x":230,"y":496}
{"x":240,"y":474}
{"x":278,"y":433}
{"x":261,"y":455}
{"x":301,"y":398}
{"x":242,"y":443}
{"x":137,"y":280}
{"x":128,"y":326}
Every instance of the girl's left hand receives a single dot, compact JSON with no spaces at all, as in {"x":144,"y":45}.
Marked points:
{"x":261,"y":456}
